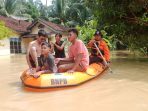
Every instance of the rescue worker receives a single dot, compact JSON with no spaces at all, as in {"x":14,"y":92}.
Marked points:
{"x":95,"y":56}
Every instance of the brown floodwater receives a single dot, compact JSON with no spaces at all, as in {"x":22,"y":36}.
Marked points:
{"x":124,"y":90}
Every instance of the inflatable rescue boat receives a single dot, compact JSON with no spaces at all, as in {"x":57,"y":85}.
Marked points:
{"x":62,"y":79}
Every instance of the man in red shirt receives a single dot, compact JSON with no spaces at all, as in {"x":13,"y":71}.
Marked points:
{"x":78,"y":59}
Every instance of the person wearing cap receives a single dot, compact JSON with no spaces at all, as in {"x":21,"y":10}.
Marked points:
{"x":78,"y":59}
{"x":34,"y":50}
{"x":95,"y":56}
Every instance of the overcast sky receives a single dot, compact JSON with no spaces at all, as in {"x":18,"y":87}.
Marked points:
{"x":48,"y":2}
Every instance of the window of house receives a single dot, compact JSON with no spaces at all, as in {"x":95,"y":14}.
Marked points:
{"x":15,"y":45}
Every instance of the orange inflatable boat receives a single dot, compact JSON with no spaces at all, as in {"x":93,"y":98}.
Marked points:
{"x":62,"y":79}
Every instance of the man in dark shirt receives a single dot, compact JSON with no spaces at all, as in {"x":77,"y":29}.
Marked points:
{"x":59,"y":46}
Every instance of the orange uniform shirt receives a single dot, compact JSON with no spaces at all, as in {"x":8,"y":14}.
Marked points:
{"x":103,"y":46}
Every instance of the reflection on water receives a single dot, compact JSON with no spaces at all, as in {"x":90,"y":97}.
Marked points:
{"x":124,"y":90}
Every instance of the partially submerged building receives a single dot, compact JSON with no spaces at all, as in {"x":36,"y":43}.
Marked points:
{"x":25,"y":32}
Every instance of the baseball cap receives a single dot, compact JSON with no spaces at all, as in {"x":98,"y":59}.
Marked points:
{"x":97,"y":33}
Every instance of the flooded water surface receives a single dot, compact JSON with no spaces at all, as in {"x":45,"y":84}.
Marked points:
{"x":126,"y":89}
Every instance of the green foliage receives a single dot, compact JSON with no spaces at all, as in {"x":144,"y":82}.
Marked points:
{"x":109,"y":39}
{"x":71,"y":12}
{"x":12,"y":8}
{"x":138,"y":43}
{"x":4,"y":31}
{"x":145,"y":17}
{"x":87,"y":31}
{"x":32,"y":9}
{"x":55,"y":20}
{"x":126,"y":19}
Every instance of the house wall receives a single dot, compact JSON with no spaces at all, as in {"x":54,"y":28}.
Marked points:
{"x":25,"y":43}
{"x":35,"y":29}
{"x":4,"y":47}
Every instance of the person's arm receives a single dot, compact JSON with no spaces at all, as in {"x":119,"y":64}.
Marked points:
{"x":57,"y":60}
{"x":34,"y":54}
{"x":37,"y":74}
{"x":27,"y":57}
{"x":60,"y":47}
{"x":51,"y":48}
{"x":91,"y":43}
{"x":77,"y":62}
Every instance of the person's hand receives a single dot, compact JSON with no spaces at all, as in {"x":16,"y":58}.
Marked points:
{"x":65,"y":42}
{"x":52,"y":43}
{"x":92,"y":41}
{"x":31,"y":71}
{"x":37,"y":68}
{"x":37,"y":74}
{"x":71,"y":71}
{"x":57,"y":60}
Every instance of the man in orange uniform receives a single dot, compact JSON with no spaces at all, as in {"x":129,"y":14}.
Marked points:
{"x":95,"y":55}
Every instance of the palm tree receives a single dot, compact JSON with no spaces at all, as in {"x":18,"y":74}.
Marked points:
{"x":78,"y":12}
{"x":70,"y":12}
{"x":13,"y":8}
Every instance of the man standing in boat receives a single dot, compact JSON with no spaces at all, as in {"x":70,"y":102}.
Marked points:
{"x":34,"y":50}
{"x":78,"y":59}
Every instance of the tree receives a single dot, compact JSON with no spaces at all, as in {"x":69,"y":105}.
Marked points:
{"x":70,"y":12}
{"x":127,"y":19}
{"x":32,"y":8}
{"x":14,"y":8}
{"x":4,"y":31}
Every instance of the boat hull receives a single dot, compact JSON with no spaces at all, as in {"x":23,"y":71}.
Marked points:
{"x":62,"y":79}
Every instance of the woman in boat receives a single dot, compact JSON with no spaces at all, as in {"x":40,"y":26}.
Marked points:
{"x":78,"y":59}
{"x":59,"y":46}
{"x":95,"y":56}
{"x":47,"y":64}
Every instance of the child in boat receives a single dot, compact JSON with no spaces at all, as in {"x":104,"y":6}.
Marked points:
{"x":47,"y":64}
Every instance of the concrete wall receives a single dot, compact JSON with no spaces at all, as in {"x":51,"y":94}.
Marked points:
{"x":5,"y":48}
{"x":24,"y":44}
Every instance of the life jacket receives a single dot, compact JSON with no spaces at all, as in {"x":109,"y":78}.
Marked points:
{"x":103,"y":49}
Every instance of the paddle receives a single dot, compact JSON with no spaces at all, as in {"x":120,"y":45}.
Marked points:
{"x":104,"y":60}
